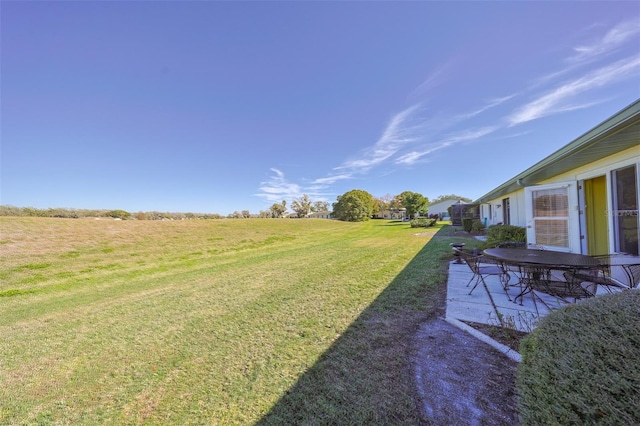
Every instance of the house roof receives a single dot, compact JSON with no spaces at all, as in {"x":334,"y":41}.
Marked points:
{"x":443,"y":200}
{"x":618,"y":133}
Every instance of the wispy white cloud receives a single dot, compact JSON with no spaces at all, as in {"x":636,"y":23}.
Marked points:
{"x":425,"y":147}
{"x":458,"y":137}
{"x":471,"y":134}
{"x":399,"y":131}
{"x":332,"y":179}
{"x":560,"y":99}
{"x":409,"y":137}
{"x":414,"y":156}
{"x":492,"y":103}
{"x":610,"y":42}
{"x":433,"y":80}
{"x":403,"y":129}
{"x":613,"y":41}
{"x":277,"y":188}
{"x":413,"y":134}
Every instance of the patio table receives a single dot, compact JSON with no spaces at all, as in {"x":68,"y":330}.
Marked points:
{"x":543,"y":257}
{"x":549,"y":271}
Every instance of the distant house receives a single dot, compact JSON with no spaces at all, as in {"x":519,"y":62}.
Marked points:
{"x":584,"y":197}
{"x":320,"y":215}
{"x":398,"y":214}
{"x":441,"y":208}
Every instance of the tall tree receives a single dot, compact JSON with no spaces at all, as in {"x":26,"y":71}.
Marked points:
{"x":320,"y":206}
{"x":302,"y":206}
{"x":380,"y":204}
{"x":353,"y":206}
{"x":278,"y":209}
{"x":414,"y":202}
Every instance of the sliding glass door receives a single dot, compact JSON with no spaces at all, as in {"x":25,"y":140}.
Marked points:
{"x":625,"y":209}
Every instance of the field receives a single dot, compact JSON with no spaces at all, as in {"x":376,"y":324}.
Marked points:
{"x":212,"y":322}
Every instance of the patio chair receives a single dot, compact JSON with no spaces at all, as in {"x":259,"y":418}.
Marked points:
{"x":515,"y":245}
{"x":555,"y":281}
{"x":482,"y":267}
{"x":634,"y":270}
{"x":604,"y":277}
{"x":562,"y":284}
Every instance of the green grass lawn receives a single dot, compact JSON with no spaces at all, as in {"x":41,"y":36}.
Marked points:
{"x":212,"y":322}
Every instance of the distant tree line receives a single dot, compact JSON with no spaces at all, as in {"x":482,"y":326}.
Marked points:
{"x":69,"y":213}
{"x":355,"y":205}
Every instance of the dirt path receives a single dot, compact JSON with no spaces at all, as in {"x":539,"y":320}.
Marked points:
{"x":461,"y":380}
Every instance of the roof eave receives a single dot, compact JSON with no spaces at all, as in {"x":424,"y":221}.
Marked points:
{"x":616,"y":123}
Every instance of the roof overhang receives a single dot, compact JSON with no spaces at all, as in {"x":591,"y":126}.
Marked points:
{"x":618,"y":133}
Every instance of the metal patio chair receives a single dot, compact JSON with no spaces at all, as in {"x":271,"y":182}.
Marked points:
{"x":482,"y":267}
{"x":556,"y":281}
{"x":604,"y":276}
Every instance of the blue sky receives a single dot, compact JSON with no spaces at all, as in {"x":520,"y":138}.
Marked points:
{"x":214,"y":107}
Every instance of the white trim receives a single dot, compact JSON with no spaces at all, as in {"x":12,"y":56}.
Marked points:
{"x":573,"y":223}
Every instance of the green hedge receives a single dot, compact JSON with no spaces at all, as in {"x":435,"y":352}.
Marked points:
{"x":581,"y":365}
{"x":497,"y":234}
{"x":477,"y":225}
{"x":423,"y":222}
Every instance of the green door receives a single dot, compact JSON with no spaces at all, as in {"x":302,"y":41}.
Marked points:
{"x":595,"y":194}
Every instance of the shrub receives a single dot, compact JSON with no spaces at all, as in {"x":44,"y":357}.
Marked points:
{"x":423,"y":222}
{"x":118,"y":214}
{"x":580,"y":366}
{"x":477,"y":225}
{"x":467,"y":224}
{"x":497,"y":234}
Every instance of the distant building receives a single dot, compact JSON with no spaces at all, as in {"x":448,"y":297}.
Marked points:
{"x":441,"y":208}
{"x":398,"y":214}
{"x":320,"y":215}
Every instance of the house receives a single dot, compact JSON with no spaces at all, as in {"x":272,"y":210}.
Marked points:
{"x":441,"y":208}
{"x":393,"y":213}
{"x":584,"y":197}
{"x":320,"y":215}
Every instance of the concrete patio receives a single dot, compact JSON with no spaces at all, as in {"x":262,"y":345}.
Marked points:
{"x":485,"y":307}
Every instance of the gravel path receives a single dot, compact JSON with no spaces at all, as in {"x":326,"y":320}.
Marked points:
{"x":461,"y":380}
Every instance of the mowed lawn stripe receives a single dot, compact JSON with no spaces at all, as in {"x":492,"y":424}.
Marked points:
{"x":183,"y":329}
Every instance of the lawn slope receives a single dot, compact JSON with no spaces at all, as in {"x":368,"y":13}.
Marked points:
{"x":199,"y":322}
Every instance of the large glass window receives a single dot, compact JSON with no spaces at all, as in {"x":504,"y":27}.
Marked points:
{"x":625,"y":209}
{"x":551,"y":216}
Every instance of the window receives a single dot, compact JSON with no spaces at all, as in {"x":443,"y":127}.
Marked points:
{"x":551,"y":216}
{"x":625,"y":209}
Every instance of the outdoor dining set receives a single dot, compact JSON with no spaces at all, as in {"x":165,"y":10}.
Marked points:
{"x":568,"y":277}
